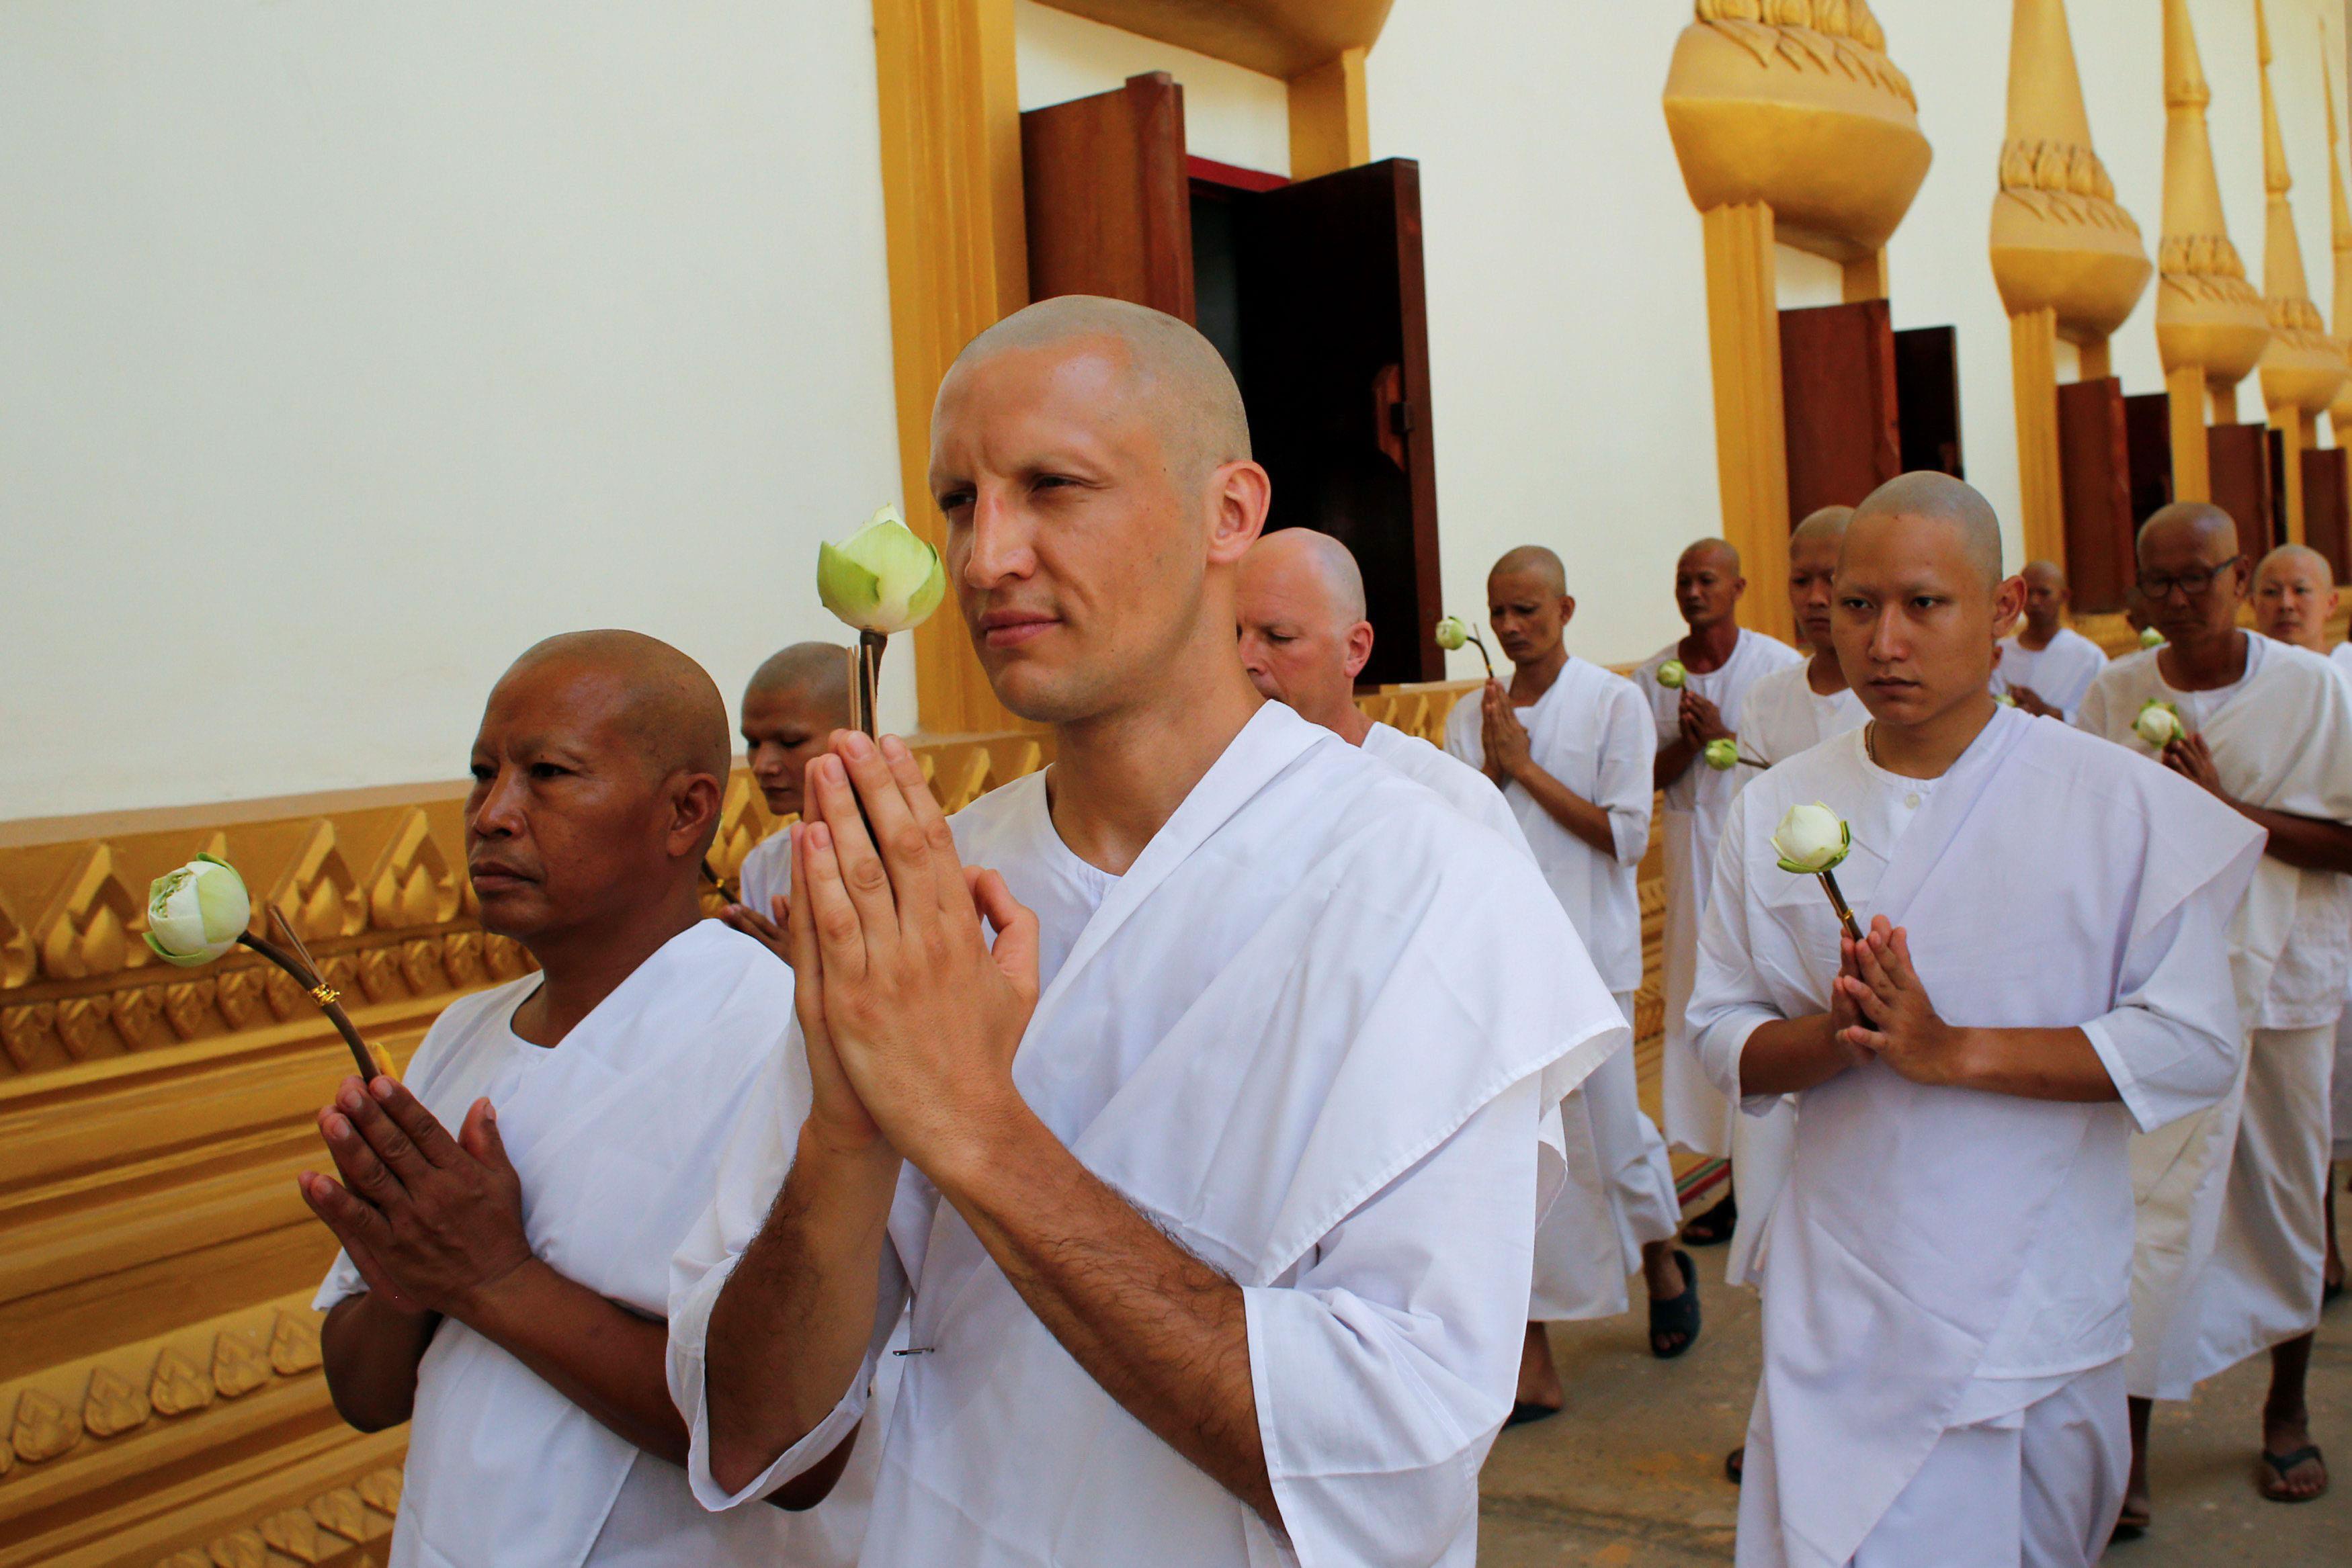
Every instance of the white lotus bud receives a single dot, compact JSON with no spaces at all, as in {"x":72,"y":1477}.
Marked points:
{"x":2004,"y":699}
{"x":1811,"y":838}
{"x":883,"y":578}
{"x":2159,"y":723}
{"x":196,"y":914}
{"x":1723,"y":756}
{"x":2150,"y":637}
{"x":1671,"y":674}
{"x":1452,"y":634}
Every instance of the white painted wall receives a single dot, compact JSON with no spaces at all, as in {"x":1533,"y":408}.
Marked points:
{"x":349,"y":350}
{"x":1232,"y":114}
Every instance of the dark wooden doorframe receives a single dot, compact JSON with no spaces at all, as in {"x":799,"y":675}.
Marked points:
{"x":1105,"y":198}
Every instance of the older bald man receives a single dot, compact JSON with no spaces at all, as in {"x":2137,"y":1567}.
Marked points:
{"x":1970,"y":1072}
{"x":2046,"y":665}
{"x":794,"y":701}
{"x":502,"y":1290}
{"x":1215,"y":1260}
{"x":2232,"y":1244}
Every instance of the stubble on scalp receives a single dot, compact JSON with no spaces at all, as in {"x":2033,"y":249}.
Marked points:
{"x":669,"y":709}
{"x":815,"y":672}
{"x":1939,"y":497}
{"x":1532,"y":561}
{"x":1332,"y":564}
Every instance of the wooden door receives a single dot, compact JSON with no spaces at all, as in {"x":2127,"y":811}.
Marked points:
{"x":2327,"y":509}
{"x":2094,"y":477}
{"x":2243,"y":486}
{"x":2148,"y":436}
{"x":1839,"y":403}
{"x":1335,"y":335}
{"x":1927,"y":399}
{"x":1106,"y":196}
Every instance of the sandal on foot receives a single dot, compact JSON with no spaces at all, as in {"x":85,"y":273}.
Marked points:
{"x":1714,"y":1227}
{"x":1677,"y":1314}
{"x":1735,"y":1464}
{"x":2129,"y":1526}
{"x":2273,"y":1487}
{"x":1522,"y":1412}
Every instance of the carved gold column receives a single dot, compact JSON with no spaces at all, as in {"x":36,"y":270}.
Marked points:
{"x":2339,"y":413}
{"x":1330,"y":118}
{"x":2210,"y":326}
{"x":2067,"y":260}
{"x":1791,"y":124}
{"x":2303,"y":369}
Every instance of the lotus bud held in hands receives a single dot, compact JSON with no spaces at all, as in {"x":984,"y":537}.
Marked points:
{"x":1453,"y":634}
{"x":1812,"y":839}
{"x":2159,"y":723}
{"x":1723,"y":756}
{"x":883,"y":578}
{"x":2150,"y":637}
{"x":196,"y":914}
{"x":2004,"y":699}
{"x":1671,"y":674}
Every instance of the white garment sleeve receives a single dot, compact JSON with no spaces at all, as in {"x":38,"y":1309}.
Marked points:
{"x":1383,"y":1370}
{"x":751,"y":1172}
{"x":2091,"y":714}
{"x":1629,"y":760}
{"x":2171,"y":1044}
{"x":1729,"y":997}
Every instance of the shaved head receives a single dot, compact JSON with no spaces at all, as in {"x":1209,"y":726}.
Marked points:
{"x":2185,"y":543}
{"x":1707,"y":586}
{"x":2296,"y":558}
{"x":1813,"y":547}
{"x":1299,"y":611}
{"x":2295,"y":594}
{"x":1532,"y":561}
{"x":818,"y":673}
{"x":1721,"y":551}
{"x":1305,"y":557}
{"x":796,"y":699}
{"x":2044,"y":574}
{"x":1829,"y":523}
{"x":668,"y":706}
{"x":2200,"y":521}
{"x":1188,"y":389}
{"x":1939,"y":498}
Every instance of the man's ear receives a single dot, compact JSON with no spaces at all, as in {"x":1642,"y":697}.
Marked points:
{"x":2008,"y":601}
{"x":1359,"y":648}
{"x":1239,"y":495}
{"x":694,"y":802}
{"x":1567,"y":608}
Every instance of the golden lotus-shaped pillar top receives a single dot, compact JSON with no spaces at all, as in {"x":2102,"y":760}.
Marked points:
{"x":2303,"y":369}
{"x":2059,"y":242}
{"x":2207,"y":315}
{"x":1794,"y":103}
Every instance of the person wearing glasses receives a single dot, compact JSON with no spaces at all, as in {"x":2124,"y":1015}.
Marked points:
{"x":2231,"y":1240}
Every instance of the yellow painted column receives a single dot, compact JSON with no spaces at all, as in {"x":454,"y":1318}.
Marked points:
{"x":2193,"y":469}
{"x":1866,"y":279}
{"x":950,"y":124}
{"x":1743,"y":320}
{"x":2033,"y":377}
{"x":2292,"y":442}
{"x":1330,"y":118}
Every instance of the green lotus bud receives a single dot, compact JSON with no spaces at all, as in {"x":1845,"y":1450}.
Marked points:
{"x":1811,"y":838}
{"x":196,"y":914}
{"x":1453,"y":634}
{"x":2004,"y":699}
{"x":1723,"y":756}
{"x":1671,"y":674}
{"x":2150,"y":637}
{"x":2159,"y":723}
{"x":883,"y":578}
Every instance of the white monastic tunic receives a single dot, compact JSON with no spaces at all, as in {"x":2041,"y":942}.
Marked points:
{"x":2229,"y":1252}
{"x":2059,"y":674}
{"x":616,"y":1132}
{"x":1696,"y":1117}
{"x":766,"y":873}
{"x":2341,"y":656}
{"x":1947,"y":1258}
{"x":1258,"y":1036}
{"x":1783,"y":717}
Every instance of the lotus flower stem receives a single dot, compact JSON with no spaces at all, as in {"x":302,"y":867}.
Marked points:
{"x":1480,"y":643}
{"x":1754,"y":761}
{"x":304,"y":972}
{"x":1837,"y":902}
{"x":864,"y":679}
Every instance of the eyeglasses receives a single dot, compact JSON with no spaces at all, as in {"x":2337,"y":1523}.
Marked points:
{"x":2196,"y":582}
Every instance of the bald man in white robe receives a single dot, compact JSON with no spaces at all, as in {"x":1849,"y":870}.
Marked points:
{"x":1720,"y":661}
{"x":2231,"y":1228}
{"x":1789,"y":712}
{"x":2046,"y":665}
{"x":792,"y":705}
{"x":1946,"y":1291}
{"x":1214,"y":1259}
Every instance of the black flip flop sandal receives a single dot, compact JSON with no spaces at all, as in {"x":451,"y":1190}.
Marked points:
{"x":2279,"y":1464}
{"x":1677,"y":1314}
{"x":1735,"y":1465}
{"x":1522,"y":1413}
{"x":1714,"y":1227}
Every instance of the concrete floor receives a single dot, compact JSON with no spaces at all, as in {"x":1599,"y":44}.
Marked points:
{"x":1630,"y":1476}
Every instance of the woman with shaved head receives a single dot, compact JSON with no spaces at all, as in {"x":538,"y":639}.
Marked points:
{"x":1947,"y":1274}
{"x":1214,"y":1194}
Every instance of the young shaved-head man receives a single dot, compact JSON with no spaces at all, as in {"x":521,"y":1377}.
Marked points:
{"x":1213,"y":1259}
{"x":1719,"y":662}
{"x":502,"y":1286}
{"x":2045,"y":665}
{"x":796,"y":700}
{"x":1970,"y":1070}
{"x":2232,"y":1241}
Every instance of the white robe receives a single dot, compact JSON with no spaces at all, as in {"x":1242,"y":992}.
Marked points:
{"x":766,"y":873}
{"x":1590,"y":732}
{"x":1947,"y":1258}
{"x":2218,"y":1204}
{"x":616,"y":1132}
{"x":2341,"y":657}
{"x":1783,"y":717}
{"x":1257,"y":1036}
{"x":2059,"y":674}
{"x":1698,"y":1118}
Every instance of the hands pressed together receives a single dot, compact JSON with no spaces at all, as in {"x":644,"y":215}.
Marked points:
{"x":1501,"y":736}
{"x":1701,"y":720}
{"x":2187,"y":755}
{"x":1879,"y":1009}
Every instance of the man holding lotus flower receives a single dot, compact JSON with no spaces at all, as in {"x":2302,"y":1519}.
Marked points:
{"x":509,"y":1213}
{"x":2232,"y":1230}
{"x":1945,"y":1294}
{"x":1213,"y":1188}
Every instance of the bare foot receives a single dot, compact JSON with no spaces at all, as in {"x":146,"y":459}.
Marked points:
{"x":2292,"y":1470}
{"x":1539,"y":1385}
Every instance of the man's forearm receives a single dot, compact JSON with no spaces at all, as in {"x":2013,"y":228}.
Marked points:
{"x":603,"y":1357}
{"x":2306,"y":844}
{"x":790,"y":1327}
{"x":1789,"y":1056}
{"x":2032,"y":1063}
{"x":1675,"y":758}
{"x":370,"y":1353}
{"x":1165,"y":1335}
{"x":1571,"y":811}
